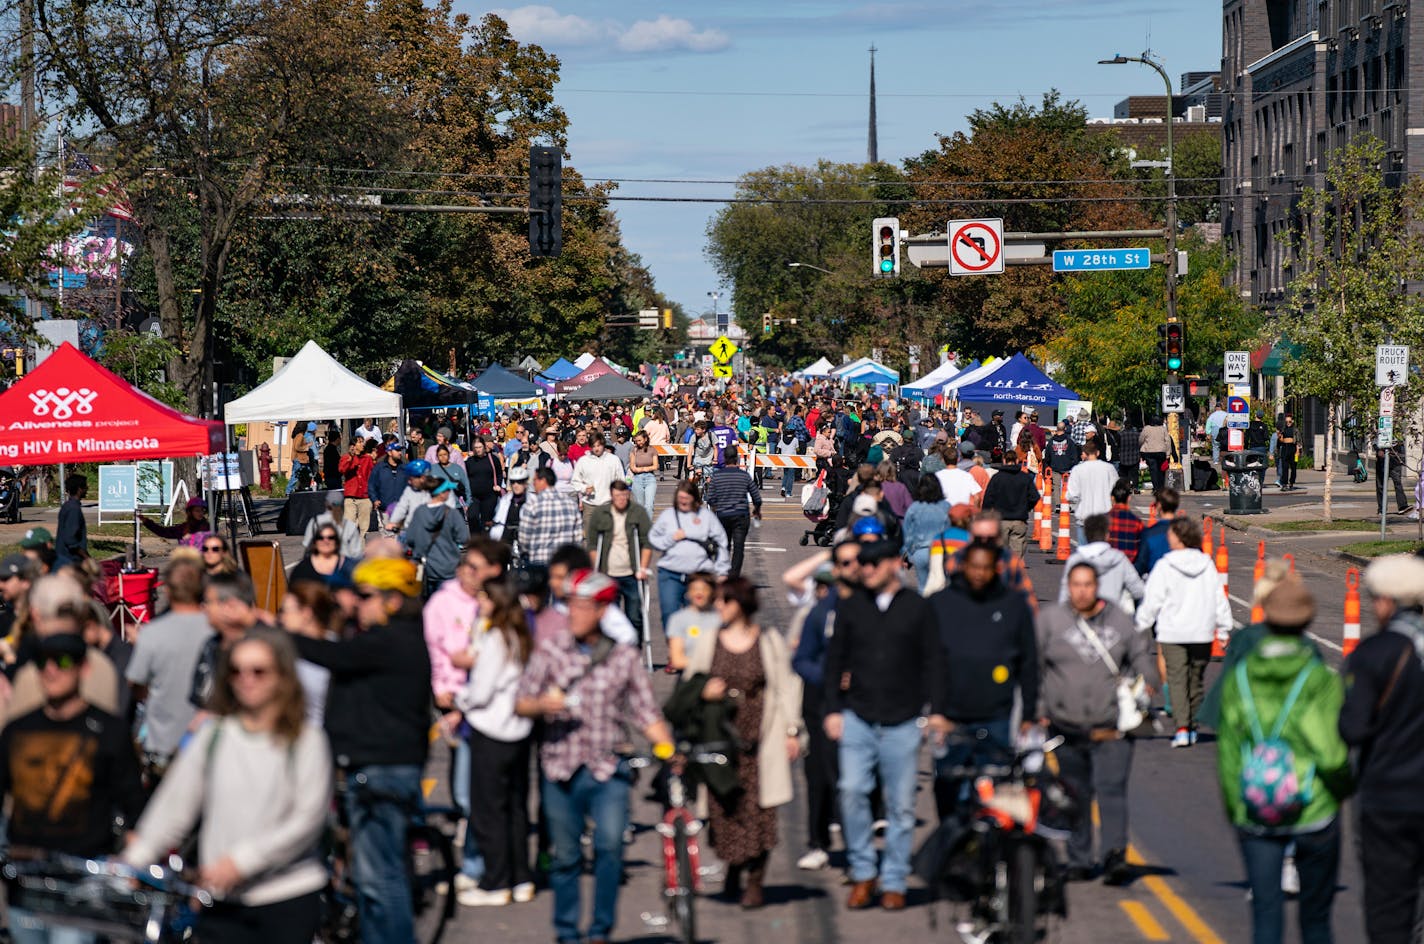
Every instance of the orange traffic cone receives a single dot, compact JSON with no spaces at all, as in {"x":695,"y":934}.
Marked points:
{"x":1352,"y":612}
{"x":1038,"y":512}
{"x":1223,"y":561}
{"x":1207,"y":526}
{"x":1063,"y":545}
{"x":1152,"y":515}
{"x":1260,"y":570}
{"x":1289,"y":559}
{"x":1045,"y":514}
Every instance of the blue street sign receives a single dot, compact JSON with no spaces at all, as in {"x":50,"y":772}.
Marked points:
{"x":1101,"y":260}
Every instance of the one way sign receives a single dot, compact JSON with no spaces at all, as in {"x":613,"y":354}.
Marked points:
{"x":1173,"y":399}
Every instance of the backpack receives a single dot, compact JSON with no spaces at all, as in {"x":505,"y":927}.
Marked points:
{"x":1273,"y":793}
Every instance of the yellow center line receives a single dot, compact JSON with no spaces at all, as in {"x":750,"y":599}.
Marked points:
{"x":1148,"y":926}
{"x":1184,"y":913}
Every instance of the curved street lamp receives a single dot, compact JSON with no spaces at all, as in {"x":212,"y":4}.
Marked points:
{"x":807,"y":265}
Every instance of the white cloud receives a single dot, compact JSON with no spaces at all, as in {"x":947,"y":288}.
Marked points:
{"x":548,"y":27}
{"x":668,"y":33}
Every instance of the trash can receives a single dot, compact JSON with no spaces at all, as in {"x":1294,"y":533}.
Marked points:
{"x":1244,"y":472}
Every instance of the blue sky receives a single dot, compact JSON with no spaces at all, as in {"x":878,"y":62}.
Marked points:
{"x":709,"y":91}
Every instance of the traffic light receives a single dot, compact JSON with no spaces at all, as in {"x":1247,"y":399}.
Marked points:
{"x":667,"y":319}
{"x":546,"y":201}
{"x":766,"y":323}
{"x":1170,"y":345}
{"x":885,"y":249}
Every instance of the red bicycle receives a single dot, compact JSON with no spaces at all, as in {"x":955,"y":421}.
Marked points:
{"x":680,"y":829}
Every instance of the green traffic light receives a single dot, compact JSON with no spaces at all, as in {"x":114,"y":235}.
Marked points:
{"x":1174,"y":363}
{"x":887,"y":265}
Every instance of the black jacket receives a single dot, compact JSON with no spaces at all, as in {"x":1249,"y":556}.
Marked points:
{"x":878,"y":663}
{"x":1389,"y":731}
{"x":986,"y":648}
{"x":1012,"y":494}
{"x":379,"y":701}
{"x":1062,"y":453}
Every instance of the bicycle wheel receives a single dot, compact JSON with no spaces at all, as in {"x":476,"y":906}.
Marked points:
{"x":683,"y":897}
{"x":430,"y":861}
{"x":1023,"y":893}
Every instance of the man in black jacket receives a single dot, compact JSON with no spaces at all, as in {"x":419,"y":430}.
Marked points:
{"x":1013,"y":494}
{"x":1383,"y":718}
{"x":876,"y":686}
{"x":986,"y":649}
{"x":378,"y":717}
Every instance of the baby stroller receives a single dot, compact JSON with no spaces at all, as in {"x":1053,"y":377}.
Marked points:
{"x":820,"y":501}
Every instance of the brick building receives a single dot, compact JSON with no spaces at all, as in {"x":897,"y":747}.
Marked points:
{"x":1300,"y":78}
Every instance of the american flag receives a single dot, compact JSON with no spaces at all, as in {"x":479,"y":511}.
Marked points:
{"x":81,"y":169}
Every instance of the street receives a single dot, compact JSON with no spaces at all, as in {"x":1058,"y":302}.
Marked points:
{"x":1189,"y":887}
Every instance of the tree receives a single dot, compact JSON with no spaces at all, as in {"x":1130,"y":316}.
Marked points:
{"x":1107,"y":351}
{"x":1041,"y":168}
{"x":1358,"y":246}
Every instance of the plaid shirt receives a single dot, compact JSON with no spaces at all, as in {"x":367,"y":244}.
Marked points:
{"x":1128,"y":453}
{"x":1079,"y":431}
{"x":1012,"y":571}
{"x":1124,"y":530}
{"x":549,"y":518}
{"x":603,"y":699}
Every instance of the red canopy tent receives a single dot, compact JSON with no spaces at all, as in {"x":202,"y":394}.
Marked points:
{"x":70,"y":409}
{"x":598,"y":367}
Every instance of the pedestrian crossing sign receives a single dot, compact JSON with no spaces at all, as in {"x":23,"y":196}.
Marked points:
{"x":723,"y":350}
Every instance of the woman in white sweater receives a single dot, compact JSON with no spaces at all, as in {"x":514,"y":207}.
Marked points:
{"x":499,"y":750}
{"x":259,"y":778}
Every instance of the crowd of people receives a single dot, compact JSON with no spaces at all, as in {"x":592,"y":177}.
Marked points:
{"x":496,"y":582}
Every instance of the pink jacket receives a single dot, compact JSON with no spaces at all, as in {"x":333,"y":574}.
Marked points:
{"x":450,"y":618}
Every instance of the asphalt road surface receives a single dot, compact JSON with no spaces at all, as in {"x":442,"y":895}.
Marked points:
{"x":1189,"y":885}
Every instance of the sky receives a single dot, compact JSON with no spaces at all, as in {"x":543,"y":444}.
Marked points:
{"x":660,"y":90}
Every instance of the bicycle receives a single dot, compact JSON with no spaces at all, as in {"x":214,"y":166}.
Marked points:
{"x":999,"y":859}
{"x":679,"y":829}
{"x":430,"y":868}
{"x":106,"y":897}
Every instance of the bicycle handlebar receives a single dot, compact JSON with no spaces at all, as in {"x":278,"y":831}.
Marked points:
{"x":163,"y":880}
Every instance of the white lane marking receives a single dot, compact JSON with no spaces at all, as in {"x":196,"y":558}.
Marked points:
{"x":1317,"y":637}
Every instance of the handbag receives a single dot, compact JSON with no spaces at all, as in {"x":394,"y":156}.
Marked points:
{"x":1131,"y":693}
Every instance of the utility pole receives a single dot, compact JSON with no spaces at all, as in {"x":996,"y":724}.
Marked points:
{"x":1175,"y":477}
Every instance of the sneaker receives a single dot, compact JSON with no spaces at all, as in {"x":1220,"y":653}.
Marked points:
{"x":1413,"y":516}
{"x":1290,"y":878}
{"x":1183,"y":738}
{"x":879,"y":827}
{"x":1192,"y":736}
{"x":523,"y":892}
{"x":480,"y":898}
{"x":1116,"y":871}
{"x":813,"y":861}
{"x":463,"y":883}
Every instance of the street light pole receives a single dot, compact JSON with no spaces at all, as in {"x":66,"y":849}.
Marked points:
{"x":1175,"y":476}
{"x":807,"y":265}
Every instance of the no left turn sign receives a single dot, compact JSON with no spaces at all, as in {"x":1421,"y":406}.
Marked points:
{"x":976,"y":247}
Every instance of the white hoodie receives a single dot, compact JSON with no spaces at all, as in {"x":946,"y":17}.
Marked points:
{"x":1185,"y":599}
{"x":1116,"y":575}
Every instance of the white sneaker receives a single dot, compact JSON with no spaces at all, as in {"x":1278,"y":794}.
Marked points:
{"x":1290,"y":878}
{"x":523,"y":892}
{"x":813,"y":861}
{"x":479,"y":898}
{"x":463,"y":883}
{"x":1183,"y":738}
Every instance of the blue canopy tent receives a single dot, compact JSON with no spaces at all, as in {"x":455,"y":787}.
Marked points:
{"x":871,"y":373}
{"x":561,"y":369}
{"x":1015,"y":381}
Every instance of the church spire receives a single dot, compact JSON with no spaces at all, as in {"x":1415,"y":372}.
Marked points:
{"x":872,"y":147}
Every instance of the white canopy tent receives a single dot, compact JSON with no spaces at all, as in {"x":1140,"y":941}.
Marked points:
{"x":969,"y":376}
{"x":926,"y":384}
{"x":313,"y":384}
{"x":821,"y":368}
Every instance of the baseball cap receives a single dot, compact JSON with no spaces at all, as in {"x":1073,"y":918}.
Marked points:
{"x":824,"y":574}
{"x":864,"y":505}
{"x":966,"y":449}
{"x":443,"y":487}
{"x":334,"y":498}
{"x":17,"y":565}
{"x":590,"y":585}
{"x":198,"y":502}
{"x":36,"y":537}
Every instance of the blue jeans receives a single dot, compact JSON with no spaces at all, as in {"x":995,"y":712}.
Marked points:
{"x":631,"y":602}
{"x":28,"y":927}
{"x":893,"y":751}
{"x":788,"y":481}
{"x":380,"y":801}
{"x":645,"y":489}
{"x":471,"y":862}
{"x":921,"y":560}
{"x":672,"y":592}
{"x":292,"y":479}
{"x":990,"y":740}
{"x":567,"y":805}
{"x":1317,"y":858}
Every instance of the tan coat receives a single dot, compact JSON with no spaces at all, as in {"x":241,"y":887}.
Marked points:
{"x":782,"y":711}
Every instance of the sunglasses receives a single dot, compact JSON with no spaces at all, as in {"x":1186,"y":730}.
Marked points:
{"x":251,"y":671}
{"x":212,"y":548}
{"x":322,"y":537}
{"x":59,"y":661}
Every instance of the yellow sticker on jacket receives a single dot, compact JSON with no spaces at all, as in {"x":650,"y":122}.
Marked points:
{"x":1001,"y":674}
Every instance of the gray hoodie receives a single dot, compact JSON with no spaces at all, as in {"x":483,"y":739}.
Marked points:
{"x":1116,"y":574}
{"x":437,"y":533}
{"x":1076,"y":688}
